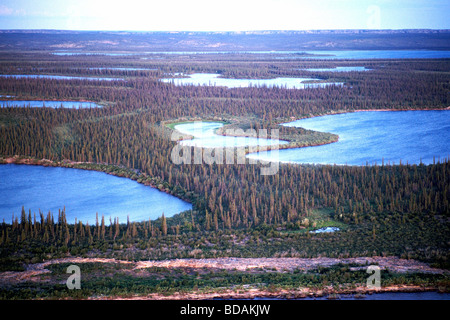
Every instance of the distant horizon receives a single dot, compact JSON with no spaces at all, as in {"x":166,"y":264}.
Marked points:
{"x":216,"y":16}
{"x":250,"y":40}
{"x":234,"y":31}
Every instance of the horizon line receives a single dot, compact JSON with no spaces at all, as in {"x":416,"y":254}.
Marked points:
{"x":232,"y":31}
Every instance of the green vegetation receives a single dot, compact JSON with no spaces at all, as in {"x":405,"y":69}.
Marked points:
{"x":421,"y":237}
{"x":119,"y":280}
{"x":400,"y":210}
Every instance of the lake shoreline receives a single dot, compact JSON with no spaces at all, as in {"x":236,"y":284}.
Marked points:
{"x":358,"y":293}
{"x":291,"y":141}
{"x":70,"y":164}
{"x":297,"y":122}
{"x":335,"y":112}
{"x":217,"y":80}
{"x":384,"y":110}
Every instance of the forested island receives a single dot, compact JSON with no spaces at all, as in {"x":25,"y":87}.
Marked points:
{"x":398,"y":212}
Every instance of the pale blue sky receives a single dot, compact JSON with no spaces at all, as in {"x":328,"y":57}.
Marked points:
{"x":224,"y":15}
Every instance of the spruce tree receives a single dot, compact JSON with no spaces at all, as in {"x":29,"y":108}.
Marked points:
{"x":163,"y":225}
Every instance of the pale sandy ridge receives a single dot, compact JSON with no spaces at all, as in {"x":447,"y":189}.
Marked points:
{"x":238,"y":264}
{"x":291,"y":264}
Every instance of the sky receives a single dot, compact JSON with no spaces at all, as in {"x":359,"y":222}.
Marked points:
{"x":223,"y":15}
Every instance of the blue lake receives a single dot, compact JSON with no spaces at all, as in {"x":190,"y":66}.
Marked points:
{"x":373,"y":137}
{"x":299,"y":54}
{"x":376,"y":54}
{"x":112,"y":54}
{"x":339,"y":69}
{"x":212,"y":79}
{"x":123,"y":69}
{"x":83,"y":193}
{"x":426,"y":295}
{"x":325,"y":230}
{"x":205,"y":136}
{"x":51,"y":104}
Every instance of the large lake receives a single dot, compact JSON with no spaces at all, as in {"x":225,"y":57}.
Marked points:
{"x":426,"y":295}
{"x":376,"y":54}
{"x":373,"y":137}
{"x":83,"y":193}
{"x":81,"y":53}
{"x":123,"y":69}
{"x":212,"y":79}
{"x":338,"y":69}
{"x":51,"y":104}
{"x":205,"y":136}
{"x":331,"y":54}
{"x":288,"y":54}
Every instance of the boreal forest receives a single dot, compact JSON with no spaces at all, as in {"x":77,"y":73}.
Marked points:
{"x":383,"y":210}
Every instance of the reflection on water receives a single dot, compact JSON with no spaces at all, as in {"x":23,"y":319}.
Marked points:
{"x":289,"y":54}
{"x":123,"y":69}
{"x":373,"y":137}
{"x":83,"y":193}
{"x":113,"y":54}
{"x":212,"y":79}
{"x":339,"y":69}
{"x":325,"y":230}
{"x":427,"y":295}
{"x":205,"y":136}
{"x":376,"y":54}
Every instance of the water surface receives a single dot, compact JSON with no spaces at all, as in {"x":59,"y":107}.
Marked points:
{"x":112,"y":54}
{"x":83,"y":193}
{"x":325,"y":230}
{"x":123,"y":69}
{"x":212,"y":79}
{"x":376,"y":54}
{"x":427,"y":295}
{"x":301,"y":54}
{"x":205,"y":136}
{"x":339,"y":69}
{"x":373,"y":137}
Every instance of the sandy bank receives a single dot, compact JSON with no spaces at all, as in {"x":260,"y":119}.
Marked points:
{"x":291,"y":264}
{"x":239,"y":264}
